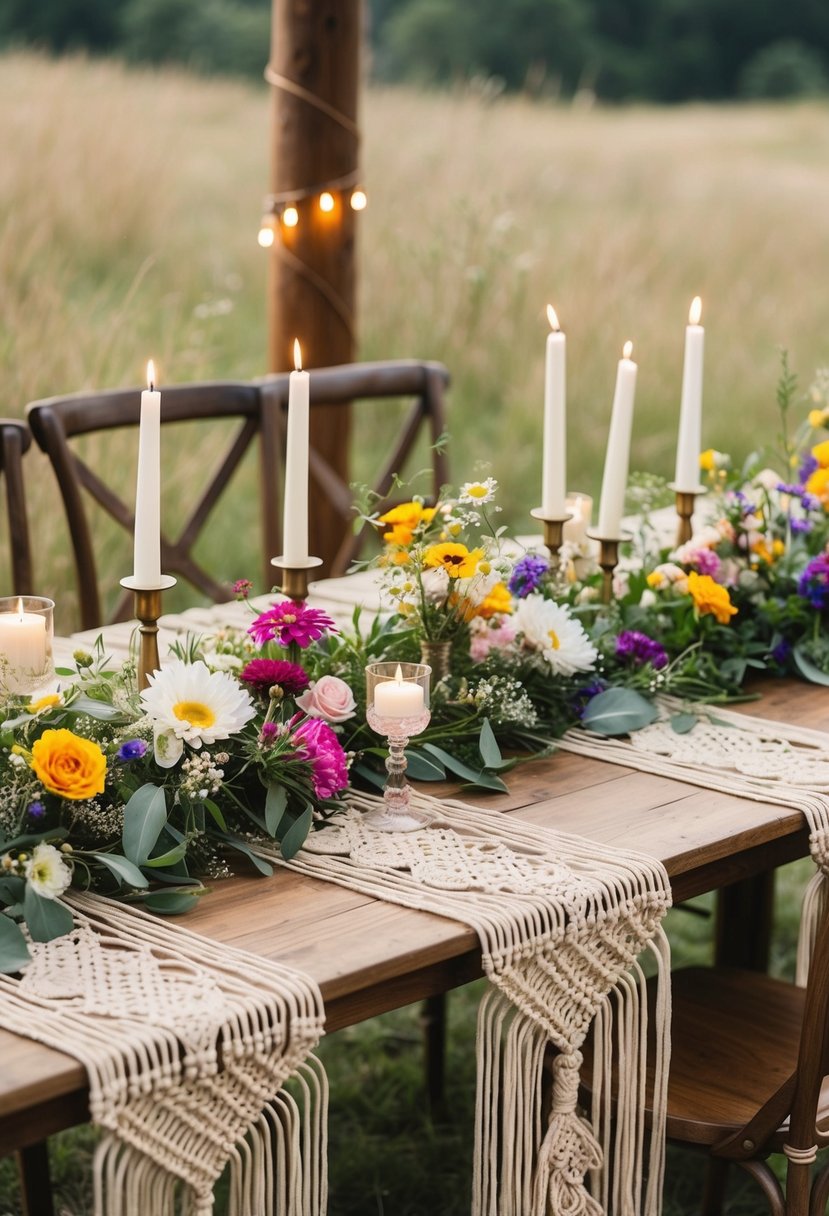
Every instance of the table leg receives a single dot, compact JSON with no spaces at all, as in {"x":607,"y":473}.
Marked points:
{"x":742,"y":936}
{"x":433,"y":1021}
{"x":35,"y":1183}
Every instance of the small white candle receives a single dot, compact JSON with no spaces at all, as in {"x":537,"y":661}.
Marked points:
{"x":690,"y":411}
{"x":398,"y":698}
{"x":295,"y":509}
{"x":553,"y":476}
{"x":147,"y":550}
{"x":614,"y":481}
{"x":580,"y":508}
{"x":23,"y":641}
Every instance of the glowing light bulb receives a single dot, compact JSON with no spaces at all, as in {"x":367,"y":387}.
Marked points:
{"x":326,"y":201}
{"x":290,"y":217}
{"x":359,"y":202}
{"x":266,"y":236}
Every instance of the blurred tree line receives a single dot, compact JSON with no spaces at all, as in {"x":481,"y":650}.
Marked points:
{"x":617,"y":50}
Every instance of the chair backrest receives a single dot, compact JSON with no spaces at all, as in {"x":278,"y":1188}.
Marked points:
{"x":15,"y":440}
{"x":260,"y":409}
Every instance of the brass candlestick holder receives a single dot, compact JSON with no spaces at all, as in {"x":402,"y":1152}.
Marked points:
{"x":553,"y":532}
{"x":608,"y":561}
{"x":148,"y":610}
{"x":294,"y":580}
{"x":685,"y":500}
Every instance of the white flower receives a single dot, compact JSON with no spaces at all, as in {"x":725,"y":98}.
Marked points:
{"x":46,"y":871}
{"x":219,"y":660}
{"x":189,"y":703}
{"x":477,"y":492}
{"x":548,"y":628}
{"x":647,"y":599}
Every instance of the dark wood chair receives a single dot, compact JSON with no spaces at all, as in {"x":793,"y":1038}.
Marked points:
{"x":15,"y":440}
{"x":749,"y":1077}
{"x":257,"y":411}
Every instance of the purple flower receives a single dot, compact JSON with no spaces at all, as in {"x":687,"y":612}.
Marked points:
{"x":527,"y":575}
{"x":321,"y":746}
{"x":263,"y":674}
{"x":780,"y":653}
{"x":269,"y":733}
{"x":290,"y":621}
{"x":800,"y":525}
{"x":242,"y":588}
{"x":133,"y":749}
{"x":586,"y":694}
{"x":640,"y":649}
{"x":808,"y":466}
{"x":36,"y":809}
{"x":813,"y":584}
{"x":706,"y":561}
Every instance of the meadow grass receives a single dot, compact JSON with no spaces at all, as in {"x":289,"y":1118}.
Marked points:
{"x":130,"y":201}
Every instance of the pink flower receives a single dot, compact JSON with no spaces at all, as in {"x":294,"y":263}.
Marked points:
{"x":262,"y":674}
{"x":290,"y":621}
{"x":483,"y":640}
{"x":320,"y":745}
{"x":328,"y":698}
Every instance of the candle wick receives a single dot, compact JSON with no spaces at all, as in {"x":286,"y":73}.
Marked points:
{"x":152,"y":387}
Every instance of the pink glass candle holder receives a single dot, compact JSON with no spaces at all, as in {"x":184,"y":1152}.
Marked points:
{"x":397,"y":706}
{"x":26,"y":635}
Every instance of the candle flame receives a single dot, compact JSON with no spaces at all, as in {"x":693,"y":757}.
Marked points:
{"x":398,"y":675}
{"x":627,"y":350}
{"x":150,"y":375}
{"x":553,"y":319}
{"x":297,"y":355}
{"x":695,"y":311}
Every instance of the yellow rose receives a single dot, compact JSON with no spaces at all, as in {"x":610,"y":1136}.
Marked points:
{"x":69,"y":766}
{"x":710,"y":597}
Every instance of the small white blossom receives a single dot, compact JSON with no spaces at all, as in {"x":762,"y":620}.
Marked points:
{"x":46,"y":871}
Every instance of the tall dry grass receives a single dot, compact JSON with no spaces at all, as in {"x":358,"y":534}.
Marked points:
{"x":129,"y":203}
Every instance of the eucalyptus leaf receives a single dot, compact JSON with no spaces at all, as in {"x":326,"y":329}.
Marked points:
{"x":124,"y":870}
{"x":482,"y":779}
{"x":14,"y":953}
{"x":261,"y":865}
{"x":276,"y":803}
{"x":45,"y":918}
{"x":369,"y":775}
{"x":294,"y":838}
{"x":99,"y":710}
{"x":809,"y":670}
{"x":682,"y":723}
{"x":618,"y":711}
{"x":170,"y":903}
{"x":144,"y":816}
{"x":488,"y":745}
{"x":421,"y":768}
{"x":167,"y":859}
{"x":215,"y":812}
{"x":12,"y":888}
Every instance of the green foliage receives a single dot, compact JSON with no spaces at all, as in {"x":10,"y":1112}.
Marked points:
{"x":214,"y":36}
{"x":783,"y":69}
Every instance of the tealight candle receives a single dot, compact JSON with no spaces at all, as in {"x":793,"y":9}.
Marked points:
{"x":580,"y":508}
{"x":25,"y":643}
{"x":295,"y":509}
{"x":398,"y":698}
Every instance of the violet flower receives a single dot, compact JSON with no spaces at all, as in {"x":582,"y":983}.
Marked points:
{"x":132,"y":749}
{"x":813,"y":583}
{"x":640,"y":649}
{"x":527,"y":575}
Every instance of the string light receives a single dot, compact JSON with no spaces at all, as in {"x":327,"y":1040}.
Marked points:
{"x":290,"y":217}
{"x":282,"y":210}
{"x":359,"y":201}
{"x":326,"y":201}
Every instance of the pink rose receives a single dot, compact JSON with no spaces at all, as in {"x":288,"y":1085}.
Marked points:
{"x":329,"y":698}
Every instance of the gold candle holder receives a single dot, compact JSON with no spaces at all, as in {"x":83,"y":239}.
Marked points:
{"x":608,"y":561}
{"x":148,"y":610}
{"x":685,"y":500}
{"x":294,"y":579}
{"x":553,"y":532}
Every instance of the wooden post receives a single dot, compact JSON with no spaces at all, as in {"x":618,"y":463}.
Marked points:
{"x":314,"y":74}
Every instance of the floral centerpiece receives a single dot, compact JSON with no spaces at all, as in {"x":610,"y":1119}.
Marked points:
{"x":147,"y":795}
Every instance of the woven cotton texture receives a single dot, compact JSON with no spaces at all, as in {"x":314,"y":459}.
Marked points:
{"x":186,"y":1045}
{"x":562,"y":923}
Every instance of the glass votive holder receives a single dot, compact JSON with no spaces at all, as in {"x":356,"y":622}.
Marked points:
{"x":397,"y":706}
{"x":27,"y":628}
{"x":580,"y":510}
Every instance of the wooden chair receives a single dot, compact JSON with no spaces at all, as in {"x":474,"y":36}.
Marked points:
{"x":15,"y":440}
{"x":258,"y":410}
{"x":749,"y":1077}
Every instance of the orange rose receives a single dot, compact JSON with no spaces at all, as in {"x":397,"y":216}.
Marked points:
{"x":69,"y":766}
{"x":709,"y":596}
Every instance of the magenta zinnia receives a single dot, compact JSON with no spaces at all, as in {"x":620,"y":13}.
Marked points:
{"x":318,"y":742}
{"x":290,"y":621}
{"x":262,"y":674}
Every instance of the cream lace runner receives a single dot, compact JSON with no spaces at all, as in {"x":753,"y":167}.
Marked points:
{"x":562,"y":922}
{"x":186,"y":1045}
{"x":739,"y":754}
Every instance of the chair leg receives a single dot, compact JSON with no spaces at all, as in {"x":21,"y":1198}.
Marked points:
{"x":35,"y":1183}
{"x":433,"y":1021}
{"x":771,"y":1188}
{"x":716,"y":1176}
{"x":820,"y":1193}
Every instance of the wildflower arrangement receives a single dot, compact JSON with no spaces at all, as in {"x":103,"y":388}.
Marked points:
{"x":147,"y":795}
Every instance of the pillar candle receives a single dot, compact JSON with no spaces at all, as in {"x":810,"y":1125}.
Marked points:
{"x":147,"y":550}
{"x":614,"y":481}
{"x":553,"y":477}
{"x":398,"y":698}
{"x":690,"y":412}
{"x":295,"y":510}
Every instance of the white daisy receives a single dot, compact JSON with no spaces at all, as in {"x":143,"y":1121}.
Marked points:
{"x":46,"y":871}
{"x":477,"y":492}
{"x":190,"y":703}
{"x":549,"y":629}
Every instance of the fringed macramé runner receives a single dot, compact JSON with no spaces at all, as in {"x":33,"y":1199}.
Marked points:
{"x":751,"y":757}
{"x":186,"y":1045}
{"x":562,"y":923}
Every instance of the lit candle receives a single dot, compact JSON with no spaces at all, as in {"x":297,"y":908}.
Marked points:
{"x":580,"y":508}
{"x":398,"y":698}
{"x":553,"y":476}
{"x":614,"y":481}
{"x":295,"y":511}
{"x":23,"y":643}
{"x":147,"y":548}
{"x":690,"y":412}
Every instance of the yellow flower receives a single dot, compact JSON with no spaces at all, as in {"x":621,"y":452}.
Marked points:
{"x":404,"y":519}
{"x":708,"y":460}
{"x":818,"y":484}
{"x":656,"y":580}
{"x":455,"y":559}
{"x":35,"y":707}
{"x":818,"y":418}
{"x":499,"y":600}
{"x":710,"y":597}
{"x":68,"y":765}
{"x":762,"y":551}
{"x":821,"y":453}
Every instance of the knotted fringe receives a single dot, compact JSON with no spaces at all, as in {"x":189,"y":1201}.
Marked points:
{"x":560,"y":920}
{"x":186,"y":1044}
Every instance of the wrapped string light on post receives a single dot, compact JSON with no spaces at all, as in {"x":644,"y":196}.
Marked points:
{"x":282,"y":211}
